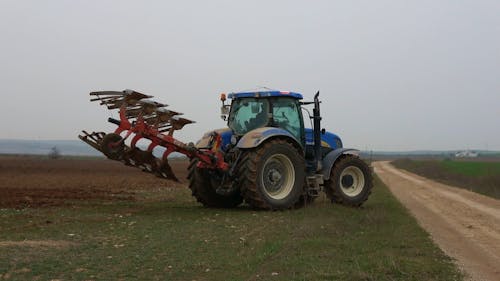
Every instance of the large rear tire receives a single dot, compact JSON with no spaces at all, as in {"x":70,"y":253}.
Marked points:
{"x":201,"y":185}
{"x":351,"y":181}
{"x":272,"y":176}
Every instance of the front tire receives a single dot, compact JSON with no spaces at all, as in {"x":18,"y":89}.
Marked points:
{"x":272,"y":176}
{"x":350,"y":183}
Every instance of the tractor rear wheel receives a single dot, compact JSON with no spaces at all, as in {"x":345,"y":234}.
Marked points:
{"x":272,"y":176}
{"x":202,"y":188}
{"x":351,"y":181}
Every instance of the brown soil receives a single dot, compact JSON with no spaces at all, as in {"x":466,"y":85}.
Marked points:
{"x":466,"y":225}
{"x":39,"y":182}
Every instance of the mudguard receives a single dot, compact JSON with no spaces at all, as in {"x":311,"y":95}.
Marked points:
{"x":330,"y":159}
{"x":225,"y":133}
{"x":256,"y":137}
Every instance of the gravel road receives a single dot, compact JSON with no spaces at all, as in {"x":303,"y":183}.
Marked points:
{"x":466,"y":225}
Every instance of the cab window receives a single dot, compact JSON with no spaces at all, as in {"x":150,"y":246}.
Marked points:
{"x":286,"y":115}
{"x":248,"y":114}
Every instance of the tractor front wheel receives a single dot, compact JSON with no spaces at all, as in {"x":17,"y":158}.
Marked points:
{"x":272,"y":176}
{"x":350,"y":182}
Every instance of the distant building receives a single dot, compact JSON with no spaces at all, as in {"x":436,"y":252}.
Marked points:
{"x":466,"y":154}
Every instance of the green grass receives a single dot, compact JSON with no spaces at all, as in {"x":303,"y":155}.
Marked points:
{"x":481,"y":177}
{"x":472,"y":169}
{"x":176,"y":239}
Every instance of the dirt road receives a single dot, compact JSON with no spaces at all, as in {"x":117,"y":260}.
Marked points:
{"x":464,"y":224}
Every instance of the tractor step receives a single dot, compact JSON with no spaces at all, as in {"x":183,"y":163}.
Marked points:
{"x":314,"y":185}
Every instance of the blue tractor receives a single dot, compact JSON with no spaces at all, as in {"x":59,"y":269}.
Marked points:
{"x":274,"y":161}
{"x":266,"y":157}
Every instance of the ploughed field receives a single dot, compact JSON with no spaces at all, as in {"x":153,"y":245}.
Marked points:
{"x":36,"y":181}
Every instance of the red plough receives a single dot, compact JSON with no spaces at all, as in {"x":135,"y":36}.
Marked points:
{"x":142,"y":118}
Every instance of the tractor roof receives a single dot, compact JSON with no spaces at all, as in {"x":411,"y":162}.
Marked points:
{"x":265,"y":94}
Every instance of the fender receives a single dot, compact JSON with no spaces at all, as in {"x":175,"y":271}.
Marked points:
{"x":258,"y":136}
{"x":225,"y":133}
{"x":330,"y":159}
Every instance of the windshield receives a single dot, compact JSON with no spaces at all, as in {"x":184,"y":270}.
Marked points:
{"x":248,"y":114}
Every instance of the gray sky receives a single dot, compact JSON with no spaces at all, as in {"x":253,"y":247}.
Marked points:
{"x":393,"y":75}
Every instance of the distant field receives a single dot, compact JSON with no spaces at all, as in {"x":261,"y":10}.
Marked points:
{"x":98,"y":220}
{"x":479,"y":176}
{"x":472,"y":169}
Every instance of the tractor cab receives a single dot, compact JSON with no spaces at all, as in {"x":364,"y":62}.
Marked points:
{"x":250,"y":111}
{"x":274,"y":109}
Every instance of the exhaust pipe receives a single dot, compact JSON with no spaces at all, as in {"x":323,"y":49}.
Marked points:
{"x":317,"y":132}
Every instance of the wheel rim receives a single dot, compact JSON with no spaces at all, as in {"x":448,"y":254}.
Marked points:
{"x":352,"y":181}
{"x":278,"y":176}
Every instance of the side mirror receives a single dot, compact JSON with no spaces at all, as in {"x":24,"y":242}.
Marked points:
{"x":224,"y":112}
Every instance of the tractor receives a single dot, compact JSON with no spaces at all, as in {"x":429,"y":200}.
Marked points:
{"x":265,"y":157}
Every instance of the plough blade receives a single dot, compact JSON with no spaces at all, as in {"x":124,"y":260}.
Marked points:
{"x":94,"y":139}
{"x":175,"y":123}
{"x":166,"y":172}
{"x":136,"y":157}
{"x":115,"y":99}
{"x":164,"y":115}
{"x":146,"y":109}
{"x":110,"y":145}
{"x":146,"y":161}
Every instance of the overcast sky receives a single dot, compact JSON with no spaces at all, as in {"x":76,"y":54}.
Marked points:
{"x":393,"y":75}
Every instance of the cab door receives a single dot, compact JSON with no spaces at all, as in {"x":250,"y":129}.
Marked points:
{"x":287,"y":115}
